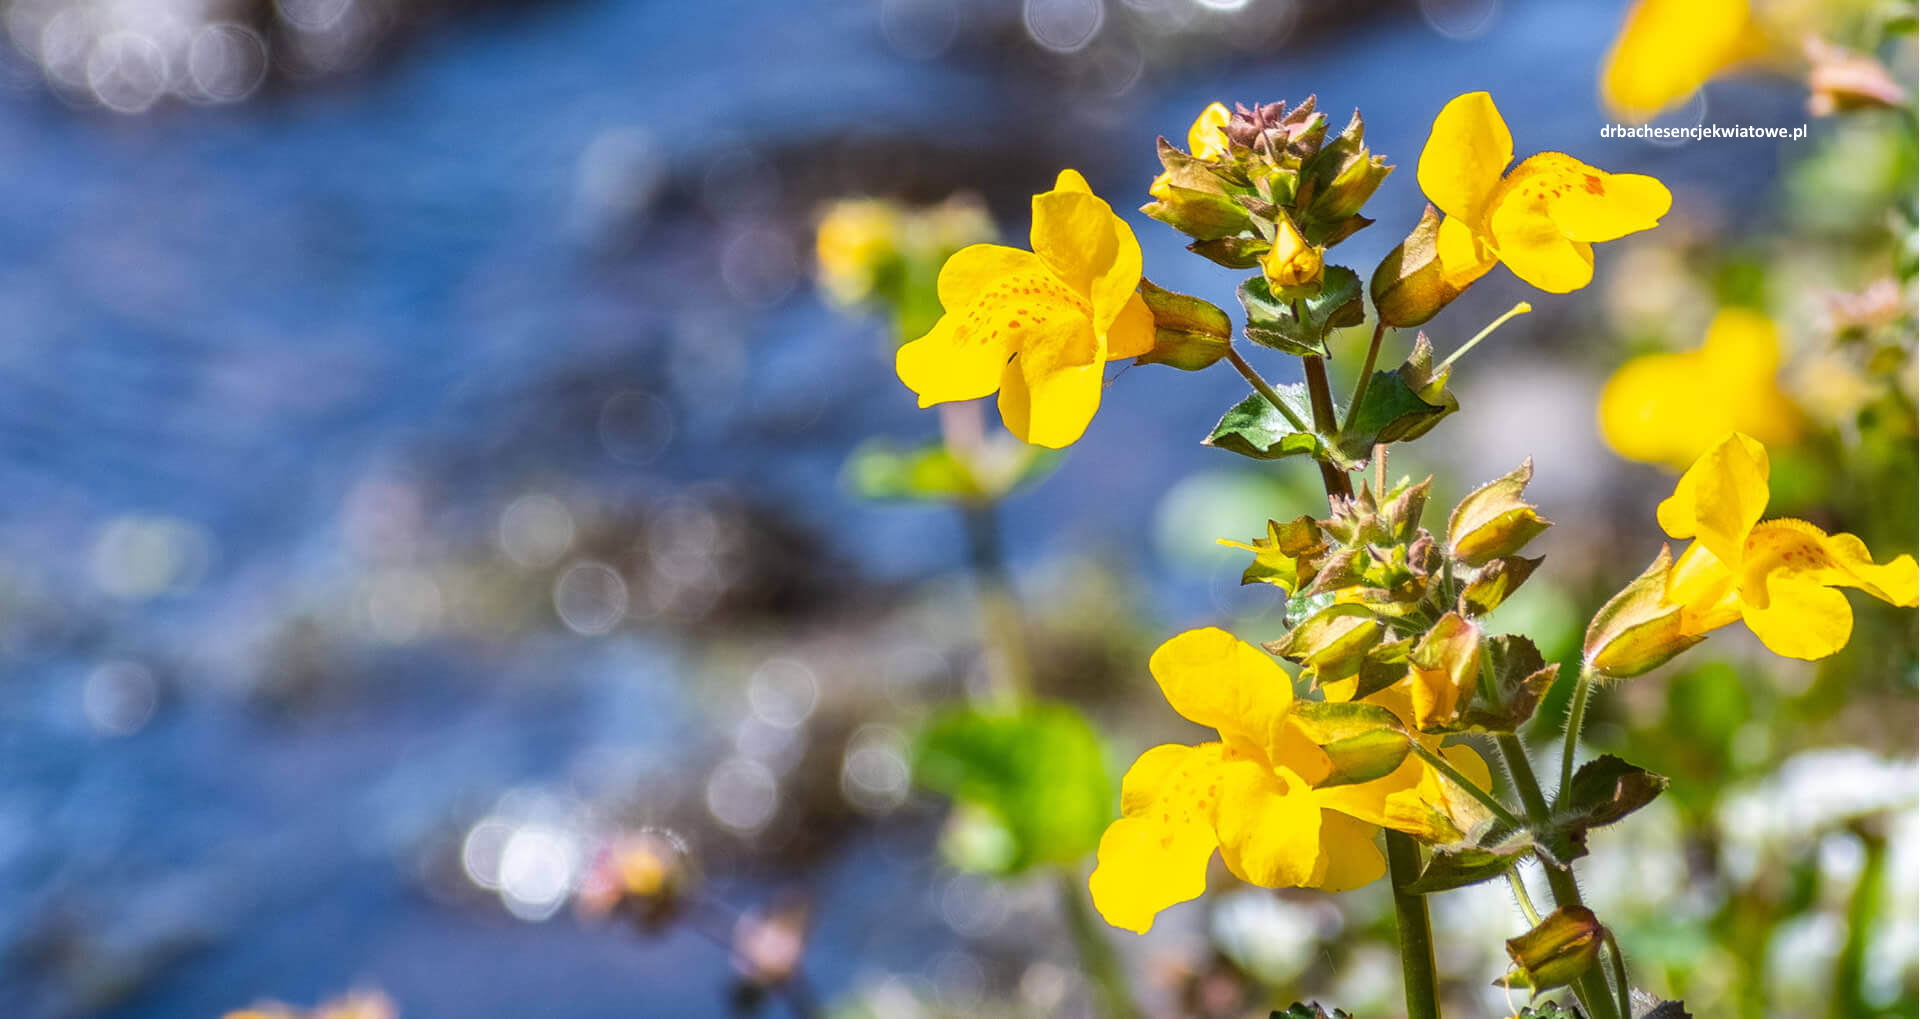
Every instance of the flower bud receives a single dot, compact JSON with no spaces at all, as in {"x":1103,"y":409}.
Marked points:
{"x":1556,"y":953}
{"x":1188,"y":333}
{"x":1411,"y":286}
{"x":1493,"y":522}
{"x":1638,"y":630}
{"x":1291,"y":262}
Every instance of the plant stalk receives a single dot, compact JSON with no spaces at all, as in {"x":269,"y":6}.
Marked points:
{"x":1576,"y":718}
{"x":1366,"y":374}
{"x":1596,"y":999}
{"x":1417,"y":971}
{"x":1261,"y":386}
{"x":1325,"y":421}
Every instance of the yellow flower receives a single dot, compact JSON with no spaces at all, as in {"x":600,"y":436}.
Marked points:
{"x":1206,"y":139}
{"x":1038,"y":326}
{"x":1779,"y":576}
{"x":1671,"y":408}
{"x":1250,"y":794}
{"x":855,"y":235}
{"x":1542,"y":219}
{"x":1292,"y":262}
{"x":1667,"y":49}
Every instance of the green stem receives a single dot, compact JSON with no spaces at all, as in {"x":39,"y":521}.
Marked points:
{"x":1522,"y":896}
{"x":1576,"y":717}
{"x":1260,"y":386}
{"x":1366,"y":374}
{"x":1620,"y":973}
{"x":1326,"y":422}
{"x":1591,"y":988}
{"x":1487,"y":799}
{"x":1417,"y":970}
{"x":1097,"y":956}
{"x":1863,"y":909}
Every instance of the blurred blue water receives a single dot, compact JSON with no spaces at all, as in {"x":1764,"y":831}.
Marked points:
{"x":247,"y":319}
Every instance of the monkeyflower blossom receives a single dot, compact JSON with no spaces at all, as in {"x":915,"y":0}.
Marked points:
{"x":1672,"y":408}
{"x":1542,"y":219}
{"x":1667,"y":49}
{"x":1251,"y":794}
{"x":1037,"y":326}
{"x":1779,"y":576}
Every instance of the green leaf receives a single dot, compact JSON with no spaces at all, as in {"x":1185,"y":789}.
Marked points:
{"x":1255,"y":428}
{"x":1607,"y":789}
{"x":1493,"y":521}
{"x":1550,"y":1010}
{"x":1299,"y":325}
{"x":1301,"y":1010}
{"x":1040,"y":773}
{"x":1391,"y":412}
{"x":887,"y":472}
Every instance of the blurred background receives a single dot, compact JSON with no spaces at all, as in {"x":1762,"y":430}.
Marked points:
{"x":427,"y":455}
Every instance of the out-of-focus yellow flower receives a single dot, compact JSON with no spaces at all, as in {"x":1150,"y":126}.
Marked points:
{"x":1671,"y":408}
{"x":1667,"y":49}
{"x":1291,"y":262}
{"x":358,"y":1005}
{"x":854,"y":236}
{"x":1038,"y":326}
{"x":1542,"y":219}
{"x":1778,"y":576}
{"x":1206,"y":139}
{"x":1250,"y":794}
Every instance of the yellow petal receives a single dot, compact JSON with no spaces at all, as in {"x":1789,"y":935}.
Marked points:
{"x":1047,"y":400}
{"x":1649,"y":408}
{"x":950,"y":363}
{"x":975,"y":267}
{"x":1796,"y":618}
{"x":1535,"y":248}
{"x":1214,"y":678}
{"x":1800,"y":550}
{"x":1268,"y":824}
{"x":1468,"y":150}
{"x":1593,"y":205}
{"x":1132,"y":332}
{"x":1742,"y":347}
{"x":1706,"y":591}
{"x":1086,"y":246}
{"x":1667,"y":49}
{"x":964,"y":356}
{"x":1720,"y":498}
{"x":1348,"y":858}
{"x":1205,"y":139}
{"x":1464,"y":256}
{"x":1156,"y":854}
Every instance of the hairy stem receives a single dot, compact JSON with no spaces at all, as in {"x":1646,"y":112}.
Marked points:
{"x":1576,"y":718}
{"x":1417,"y":971}
{"x":1595,"y":997}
